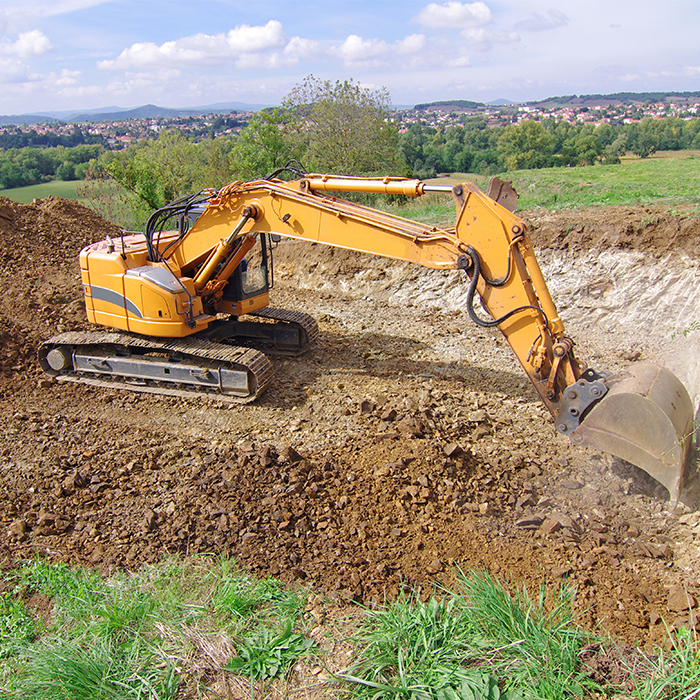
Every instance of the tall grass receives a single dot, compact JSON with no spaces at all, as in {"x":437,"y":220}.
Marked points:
{"x":166,"y":630}
{"x":482,"y":641}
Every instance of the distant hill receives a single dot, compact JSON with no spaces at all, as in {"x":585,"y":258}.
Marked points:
{"x":448,"y":105}
{"x":616,"y":98}
{"x":25,"y":119}
{"x":114,"y":113}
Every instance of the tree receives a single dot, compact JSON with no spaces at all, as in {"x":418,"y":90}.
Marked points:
{"x":263,"y":146}
{"x":343,"y":127}
{"x":527,"y":145}
{"x":157,"y":172}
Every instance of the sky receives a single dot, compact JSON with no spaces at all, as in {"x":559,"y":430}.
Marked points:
{"x":58,"y":55}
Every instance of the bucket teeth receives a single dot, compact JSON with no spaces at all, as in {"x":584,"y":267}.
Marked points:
{"x":646,"y":418}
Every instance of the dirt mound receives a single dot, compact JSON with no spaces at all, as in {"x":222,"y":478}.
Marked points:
{"x":654,"y":230}
{"x":407,"y":441}
{"x":40,"y":272}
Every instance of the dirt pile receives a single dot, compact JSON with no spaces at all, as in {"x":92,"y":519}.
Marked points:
{"x":406,"y":442}
{"x":40,"y":273}
{"x":650,"y":229}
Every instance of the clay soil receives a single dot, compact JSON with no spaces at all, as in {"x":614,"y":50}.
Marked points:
{"x":407,"y":442}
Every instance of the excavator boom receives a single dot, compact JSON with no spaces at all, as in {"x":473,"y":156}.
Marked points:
{"x":175,"y":284}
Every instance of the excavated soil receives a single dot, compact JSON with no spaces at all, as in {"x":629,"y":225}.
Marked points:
{"x":405,"y":443}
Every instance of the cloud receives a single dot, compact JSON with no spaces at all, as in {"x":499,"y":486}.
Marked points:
{"x":411,"y":44}
{"x":245,"y":39}
{"x":28,"y":44}
{"x":454,"y":15}
{"x":200,"y":48}
{"x":302,"y":48}
{"x":67,"y":77}
{"x":13,"y":71}
{"x":356,"y":51}
{"x":482,"y":39}
{"x":459,"y":62}
{"x":542,"y":23}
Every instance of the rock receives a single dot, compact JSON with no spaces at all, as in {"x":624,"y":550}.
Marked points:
{"x":532,"y":522}
{"x":549,"y":526}
{"x":563,"y":519}
{"x":435,"y":567}
{"x":18,"y":528}
{"x":150,"y":520}
{"x":589,"y":560}
{"x":478,"y":416}
{"x":366,"y":406}
{"x":679,"y":599}
{"x":291,"y":454}
{"x":389,"y":415}
{"x":452,"y":449}
{"x":410,"y":427}
{"x":571,"y":484}
{"x":526,"y":500}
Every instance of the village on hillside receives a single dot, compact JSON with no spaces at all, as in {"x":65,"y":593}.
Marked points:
{"x":119,"y":133}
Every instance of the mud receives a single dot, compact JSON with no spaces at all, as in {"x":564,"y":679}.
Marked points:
{"x":406,"y":443}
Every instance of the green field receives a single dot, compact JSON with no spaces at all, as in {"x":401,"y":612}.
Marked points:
{"x":55,"y":188}
{"x":669,"y":178}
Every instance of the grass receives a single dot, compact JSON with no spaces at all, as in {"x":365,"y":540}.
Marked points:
{"x":179,"y":629}
{"x":674,"y":675}
{"x":481,"y":641}
{"x":640,"y":181}
{"x":669,"y":178}
{"x":55,"y":188}
{"x":169,"y":629}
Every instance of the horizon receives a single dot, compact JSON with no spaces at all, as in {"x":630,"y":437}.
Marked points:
{"x":240,"y":106}
{"x":70,"y":55}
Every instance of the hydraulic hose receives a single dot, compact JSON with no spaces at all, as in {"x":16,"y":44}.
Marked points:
{"x":476,"y":273}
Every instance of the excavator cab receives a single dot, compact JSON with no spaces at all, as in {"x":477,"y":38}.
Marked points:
{"x":248,"y":287}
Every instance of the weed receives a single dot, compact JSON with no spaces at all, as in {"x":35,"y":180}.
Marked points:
{"x":673,"y":675}
{"x":482,"y":641}
{"x":118,"y":637}
{"x":85,"y":670}
{"x":16,"y":626}
{"x":269,"y":654}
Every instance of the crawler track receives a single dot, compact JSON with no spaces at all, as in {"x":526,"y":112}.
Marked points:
{"x":306,"y":325}
{"x":278,"y":332}
{"x":187,"y":367}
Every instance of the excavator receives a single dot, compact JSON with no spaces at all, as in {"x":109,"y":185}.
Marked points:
{"x":185,"y":306}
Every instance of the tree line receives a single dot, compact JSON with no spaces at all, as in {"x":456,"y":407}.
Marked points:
{"x":20,"y":167}
{"x":477,"y":147}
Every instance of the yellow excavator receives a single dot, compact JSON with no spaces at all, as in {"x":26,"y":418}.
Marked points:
{"x":185,"y":305}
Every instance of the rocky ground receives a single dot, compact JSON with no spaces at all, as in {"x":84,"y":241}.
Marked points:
{"x":405,"y":443}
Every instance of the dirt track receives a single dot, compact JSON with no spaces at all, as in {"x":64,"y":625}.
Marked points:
{"x":407,"y":441}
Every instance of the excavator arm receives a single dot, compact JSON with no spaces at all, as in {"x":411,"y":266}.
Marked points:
{"x":488,"y":242}
{"x":643,"y":415}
